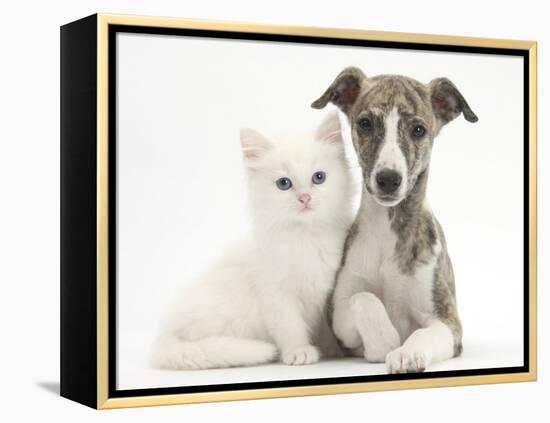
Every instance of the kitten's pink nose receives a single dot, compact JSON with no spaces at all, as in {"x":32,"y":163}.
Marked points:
{"x":304,"y":199}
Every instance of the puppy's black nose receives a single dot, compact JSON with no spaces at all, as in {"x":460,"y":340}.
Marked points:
{"x":388,"y":181}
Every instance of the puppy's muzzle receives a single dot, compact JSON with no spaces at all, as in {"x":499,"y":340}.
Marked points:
{"x":388,"y":181}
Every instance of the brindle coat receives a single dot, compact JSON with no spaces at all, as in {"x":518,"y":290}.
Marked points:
{"x":419,"y":237}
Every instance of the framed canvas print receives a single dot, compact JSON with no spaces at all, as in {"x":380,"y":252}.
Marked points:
{"x":256,"y":211}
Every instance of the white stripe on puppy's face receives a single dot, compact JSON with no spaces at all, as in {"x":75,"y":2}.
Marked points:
{"x":391,"y":158}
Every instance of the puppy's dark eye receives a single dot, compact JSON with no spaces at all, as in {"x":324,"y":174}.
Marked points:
{"x":418,"y":131}
{"x":365,"y":124}
{"x":283,"y":183}
{"x":319,"y":177}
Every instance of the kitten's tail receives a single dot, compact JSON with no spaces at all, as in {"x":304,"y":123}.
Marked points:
{"x":212,"y":352}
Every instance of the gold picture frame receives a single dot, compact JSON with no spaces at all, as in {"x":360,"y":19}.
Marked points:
{"x":88,"y":41}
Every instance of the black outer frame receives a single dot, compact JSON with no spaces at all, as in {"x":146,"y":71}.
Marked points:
{"x":79,"y":211}
{"x":79,"y":204}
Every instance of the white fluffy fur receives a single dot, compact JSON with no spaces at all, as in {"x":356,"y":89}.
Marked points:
{"x":267,"y":297}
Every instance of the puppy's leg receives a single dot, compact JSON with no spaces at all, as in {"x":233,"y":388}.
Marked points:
{"x":424,"y":346}
{"x":343,"y":318}
{"x":360,"y":319}
{"x":378,"y":334}
{"x":439,"y":338}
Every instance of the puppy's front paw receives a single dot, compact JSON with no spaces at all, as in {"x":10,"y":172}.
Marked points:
{"x":403,"y":360}
{"x":302,"y":355}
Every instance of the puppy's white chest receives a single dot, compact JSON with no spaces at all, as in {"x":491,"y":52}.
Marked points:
{"x":374,"y":257}
{"x":406,"y":296}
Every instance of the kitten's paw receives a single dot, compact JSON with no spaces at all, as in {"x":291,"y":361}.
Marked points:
{"x":403,"y":360}
{"x":307,"y":354}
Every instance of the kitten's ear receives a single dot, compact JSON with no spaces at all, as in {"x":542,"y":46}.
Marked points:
{"x":330,"y":130}
{"x":253,"y":144}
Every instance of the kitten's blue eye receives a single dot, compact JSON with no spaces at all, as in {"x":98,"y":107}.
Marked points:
{"x":283,"y":183}
{"x":319,"y":177}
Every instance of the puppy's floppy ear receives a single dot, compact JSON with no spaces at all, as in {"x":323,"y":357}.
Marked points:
{"x":343,"y":91}
{"x":330,"y":131}
{"x":253,"y":144}
{"x":448,"y":103}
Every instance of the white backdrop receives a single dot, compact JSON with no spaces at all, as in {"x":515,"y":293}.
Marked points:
{"x":181,"y":191}
{"x":29,"y":216}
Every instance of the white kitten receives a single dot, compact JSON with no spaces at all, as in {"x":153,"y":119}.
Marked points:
{"x":268,"y":296}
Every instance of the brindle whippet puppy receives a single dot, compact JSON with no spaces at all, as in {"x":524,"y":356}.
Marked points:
{"x":394,"y":299}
